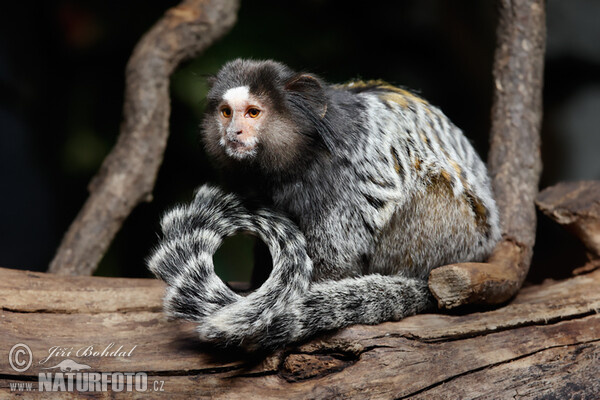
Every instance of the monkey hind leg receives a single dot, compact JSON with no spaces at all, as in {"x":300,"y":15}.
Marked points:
{"x":433,"y":228}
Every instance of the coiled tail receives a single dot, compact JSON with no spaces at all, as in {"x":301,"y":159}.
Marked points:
{"x":287,"y":307}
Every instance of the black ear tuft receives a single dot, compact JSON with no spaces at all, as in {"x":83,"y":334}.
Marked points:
{"x":310,"y":89}
{"x":304,"y":83}
{"x":308,"y":97}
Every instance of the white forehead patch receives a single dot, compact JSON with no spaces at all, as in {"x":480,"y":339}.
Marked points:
{"x":237,"y":95}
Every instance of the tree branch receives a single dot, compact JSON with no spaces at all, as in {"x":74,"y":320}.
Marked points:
{"x":514,"y":161}
{"x":128,"y":173}
{"x":576,"y":206}
{"x":545,"y":344}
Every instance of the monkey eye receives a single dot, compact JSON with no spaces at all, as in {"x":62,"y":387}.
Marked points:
{"x":226,"y":112}
{"x":253,"y":112}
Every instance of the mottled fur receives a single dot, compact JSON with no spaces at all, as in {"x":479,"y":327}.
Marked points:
{"x":366,"y":188}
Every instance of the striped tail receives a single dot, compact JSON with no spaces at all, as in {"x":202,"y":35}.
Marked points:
{"x":287,"y":307}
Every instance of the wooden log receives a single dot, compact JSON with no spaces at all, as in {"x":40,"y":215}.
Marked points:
{"x":128,"y":173}
{"x":514,"y":161}
{"x":493,"y":282}
{"x":576,"y":206}
{"x":544,"y":344}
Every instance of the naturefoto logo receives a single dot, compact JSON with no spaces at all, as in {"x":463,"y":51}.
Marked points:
{"x":69,"y":375}
{"x":69,"y":366}
{"x":75,"y":380}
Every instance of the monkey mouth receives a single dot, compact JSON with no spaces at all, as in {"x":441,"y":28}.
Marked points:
{"x":240,"y":149}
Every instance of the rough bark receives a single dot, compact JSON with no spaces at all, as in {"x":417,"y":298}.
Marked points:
{"x":544,"y":344}
{"x":514,"y":161}
{"x":576,"y":206}
{"x":128,"y":173}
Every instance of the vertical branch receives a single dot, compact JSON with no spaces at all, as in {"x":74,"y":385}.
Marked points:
{"x":514,"y":158}
{"x":128,"y":173}
{"x":514,"y":161}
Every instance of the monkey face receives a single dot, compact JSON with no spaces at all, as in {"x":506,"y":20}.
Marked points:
{"x":241,"y":118}
{"x":262,"y":114}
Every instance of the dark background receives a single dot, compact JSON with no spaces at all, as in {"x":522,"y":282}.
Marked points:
{"x":61,"y":95}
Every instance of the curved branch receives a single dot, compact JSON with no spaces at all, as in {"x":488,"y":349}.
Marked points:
{"x":514,"y":161}
{"x":128,"y":173}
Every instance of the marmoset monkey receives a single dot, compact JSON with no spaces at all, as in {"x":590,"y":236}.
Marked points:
{"x":366,"y":188}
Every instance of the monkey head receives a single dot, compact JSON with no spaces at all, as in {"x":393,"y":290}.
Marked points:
{"x":261,"y":113}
